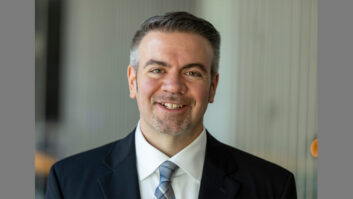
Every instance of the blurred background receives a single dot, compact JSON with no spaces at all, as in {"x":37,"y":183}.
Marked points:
{"x":266,"y":98}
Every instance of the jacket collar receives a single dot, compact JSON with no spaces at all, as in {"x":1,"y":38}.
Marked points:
{"x":121,"y":181}
{"x":217,"y":180}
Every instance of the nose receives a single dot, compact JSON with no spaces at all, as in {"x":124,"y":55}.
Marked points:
{"x":174,"y":83}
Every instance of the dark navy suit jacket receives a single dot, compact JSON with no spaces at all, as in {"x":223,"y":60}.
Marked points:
{"x":110,"y":172}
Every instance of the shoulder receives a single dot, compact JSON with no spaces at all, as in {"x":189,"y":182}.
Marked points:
{"x":258,"y":177}
{"x":91,"y":161}
{"x":84,"y":165}
{"x":89,"y":158}
{"x":68,"y":176}
{"x":77,"y":176}
{"x":247,"y":164}
{"x":253,"y":164}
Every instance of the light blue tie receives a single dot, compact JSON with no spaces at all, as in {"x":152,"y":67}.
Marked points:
{"x":164,"y":189}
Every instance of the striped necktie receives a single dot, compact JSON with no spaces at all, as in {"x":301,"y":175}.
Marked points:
{"x":164,"y":189}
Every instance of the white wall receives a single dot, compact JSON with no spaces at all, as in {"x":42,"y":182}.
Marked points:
{"x":266,"y":101}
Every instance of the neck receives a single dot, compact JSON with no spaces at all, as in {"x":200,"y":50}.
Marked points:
{"x":170,"y":144}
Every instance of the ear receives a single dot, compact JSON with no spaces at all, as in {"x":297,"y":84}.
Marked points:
{"x":131,"y":76}
{"x":214,"y":83}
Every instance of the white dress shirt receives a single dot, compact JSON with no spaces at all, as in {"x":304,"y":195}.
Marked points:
{"x":185,"y":181}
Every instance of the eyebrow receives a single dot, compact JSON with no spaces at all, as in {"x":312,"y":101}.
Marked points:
{"x":162,"y":63}
{"x":155,"y":62}
{"x":197,"y":65}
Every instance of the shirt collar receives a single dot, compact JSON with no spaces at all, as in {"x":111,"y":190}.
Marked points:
{"x":190,"y":159}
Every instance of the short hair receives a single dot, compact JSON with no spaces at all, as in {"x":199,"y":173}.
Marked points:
{"x":177,"y":22}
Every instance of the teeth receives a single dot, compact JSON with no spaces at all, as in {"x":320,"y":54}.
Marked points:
{"x":172,"y":106}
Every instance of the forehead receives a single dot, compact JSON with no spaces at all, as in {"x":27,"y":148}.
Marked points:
{"x":175,"y":48}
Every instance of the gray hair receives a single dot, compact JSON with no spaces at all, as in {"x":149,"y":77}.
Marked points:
{"x":173,"y":22}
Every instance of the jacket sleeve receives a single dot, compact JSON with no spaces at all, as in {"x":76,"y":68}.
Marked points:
{"x":53,"y":186}
{"x":289,"y":191}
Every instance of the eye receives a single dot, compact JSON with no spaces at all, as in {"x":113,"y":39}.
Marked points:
{"x":156,"y":70}
{"x":193,"y":74}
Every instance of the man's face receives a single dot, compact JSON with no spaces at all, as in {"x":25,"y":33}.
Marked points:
{"x":173,"y":83}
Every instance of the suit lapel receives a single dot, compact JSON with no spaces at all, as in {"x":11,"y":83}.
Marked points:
{"x":216,"y":179}
{"x":121,"y":181}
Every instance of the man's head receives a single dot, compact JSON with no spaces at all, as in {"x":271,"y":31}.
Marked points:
{"x":177,"y":22}
{"x":174,"y":71}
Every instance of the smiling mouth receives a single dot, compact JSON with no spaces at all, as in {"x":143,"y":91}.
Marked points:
{"x":172,"y":106}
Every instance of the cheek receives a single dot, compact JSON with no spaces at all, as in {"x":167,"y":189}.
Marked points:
{"x":146,"y":88}
{"x":201,"y":93}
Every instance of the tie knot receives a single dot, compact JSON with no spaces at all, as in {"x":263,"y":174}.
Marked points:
{"x":166,"y":170}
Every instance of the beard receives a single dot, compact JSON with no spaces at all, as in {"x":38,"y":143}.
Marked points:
{"x":171,"y":125}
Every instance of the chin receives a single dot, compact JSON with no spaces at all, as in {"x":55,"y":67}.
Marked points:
{"x":171,"y":127}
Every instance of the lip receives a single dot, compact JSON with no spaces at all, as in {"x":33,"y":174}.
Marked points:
{"x":161,"y":106}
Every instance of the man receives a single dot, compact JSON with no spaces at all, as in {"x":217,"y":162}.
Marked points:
{"x":173,"y":74}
